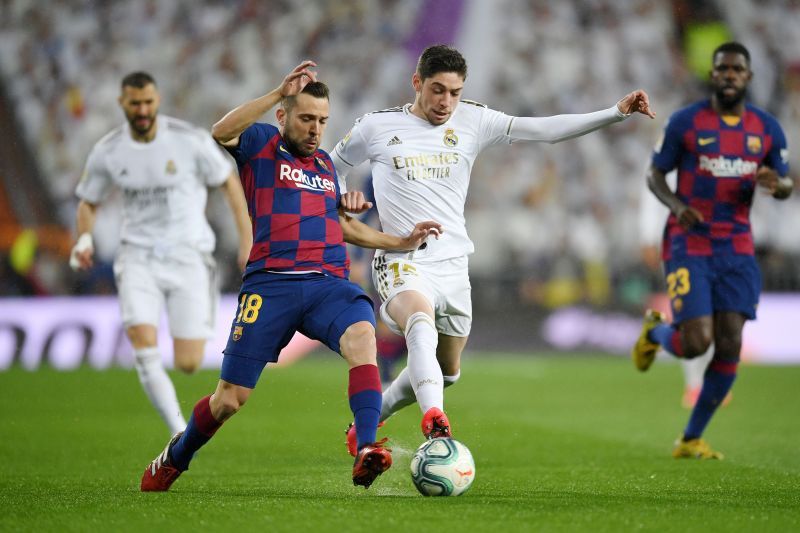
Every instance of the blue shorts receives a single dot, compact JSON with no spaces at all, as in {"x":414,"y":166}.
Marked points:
{"x":273,"y":306}
{"x":701,"y":286}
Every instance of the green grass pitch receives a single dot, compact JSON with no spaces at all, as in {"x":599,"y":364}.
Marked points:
{"x":561,"y":443}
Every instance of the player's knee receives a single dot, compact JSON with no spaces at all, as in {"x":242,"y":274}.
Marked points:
{"x":449,"y":380}
{"x":187,"y":365}
{"x":357,"y":344}
{"x":420,"y":319}
{"x":228,"y":404}
{"x":696,"y":342}
{"x":188,"y":354}
{"x":142,"y":336}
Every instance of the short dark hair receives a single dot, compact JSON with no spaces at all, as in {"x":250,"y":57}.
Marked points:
{"x":138,"y":79}
{"x":731,"y":48}
{"x":441,"y":58}
{"x":317,"y":89}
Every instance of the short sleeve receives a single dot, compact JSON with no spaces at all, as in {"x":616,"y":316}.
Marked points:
{"x":778,"y":156}
{"x":494,"y":127}
{"x":668,"y":147}
{"x":95,"y":181}
{"x":341,"y":182}
{"x":211,"y":162}
{"x":251,"y":141}
{"x":352,"y":149}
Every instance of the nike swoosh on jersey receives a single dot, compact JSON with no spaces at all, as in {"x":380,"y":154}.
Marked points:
{"x":703,"y":141}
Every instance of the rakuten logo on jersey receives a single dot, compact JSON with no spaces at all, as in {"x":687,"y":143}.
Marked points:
{"x":304,"y":181}
{"x":722,"y":167}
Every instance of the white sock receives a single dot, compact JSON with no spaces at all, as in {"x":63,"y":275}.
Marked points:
{"x":159,"y":388}
{"x":424,"y":371}
{"x":397,"y":395}
{"x":449,"y":380}
{"x":694,"y":369}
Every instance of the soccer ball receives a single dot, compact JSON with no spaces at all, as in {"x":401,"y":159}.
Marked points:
{"x":442,"y":467}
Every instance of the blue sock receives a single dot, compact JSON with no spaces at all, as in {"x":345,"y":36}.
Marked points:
{"x":718,"y":380}
{"x":668,"y":337}
{"x":365,"y":402}
{"x":201,"y":427}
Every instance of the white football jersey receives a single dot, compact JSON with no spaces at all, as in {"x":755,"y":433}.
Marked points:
{"x":421,"y":171}
{"x":163,"y":182}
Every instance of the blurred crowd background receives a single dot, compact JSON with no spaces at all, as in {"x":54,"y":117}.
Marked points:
{"x":553,"y":225}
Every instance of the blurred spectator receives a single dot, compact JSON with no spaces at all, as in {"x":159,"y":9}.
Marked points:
{"x":567,"y":204}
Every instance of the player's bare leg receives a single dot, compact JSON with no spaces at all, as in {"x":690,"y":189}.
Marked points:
{"x":188,"y":354}
{"x":227,"y":400}
{"x":153,"y":377}
{"x":448,"y":353}
{"x":357,"y":346}
{"x":696,"y":336}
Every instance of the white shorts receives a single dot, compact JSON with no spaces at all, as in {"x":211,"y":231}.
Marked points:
{"x":445,"y":284}
{"x":146,"y":281}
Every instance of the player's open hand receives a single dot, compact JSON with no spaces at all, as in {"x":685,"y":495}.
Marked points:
{"x":355,"y":202}
{"x":688,"y":216}
{"x":636,"y":102}
{"x":420,"y":233}
{"x":298,"y":78}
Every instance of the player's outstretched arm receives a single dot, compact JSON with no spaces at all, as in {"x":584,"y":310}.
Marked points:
{"x":687,"y":216}
{"x":235,"y":196}
{"x":227,"y":130}
{"x":559,"y":128}
{"x":360,"y":234}
{"x":82,"y":254}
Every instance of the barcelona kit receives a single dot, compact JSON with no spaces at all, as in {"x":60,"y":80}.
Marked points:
{"x":296,"y":276}
{"x":711,"y":267}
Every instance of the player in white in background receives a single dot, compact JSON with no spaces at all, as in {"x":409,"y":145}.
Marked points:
{"x":652,"y":217}
{"x":421,"y":156}
{"x":163,"y":167}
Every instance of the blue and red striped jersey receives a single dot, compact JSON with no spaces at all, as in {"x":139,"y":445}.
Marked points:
{"x":716,"y":160}
{"x":293,"y":205}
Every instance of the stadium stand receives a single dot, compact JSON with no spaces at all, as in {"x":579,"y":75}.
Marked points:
{"x":61,"y":67}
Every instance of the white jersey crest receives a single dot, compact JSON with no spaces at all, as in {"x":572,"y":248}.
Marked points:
{"x":163,"y":183}
{"x":421,"y":171}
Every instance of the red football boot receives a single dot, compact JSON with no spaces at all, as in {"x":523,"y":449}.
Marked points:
{"x":160,"y":474}
{"x":435,"y":424}
{"x":351,"y":438}
{"x":372,"y":461}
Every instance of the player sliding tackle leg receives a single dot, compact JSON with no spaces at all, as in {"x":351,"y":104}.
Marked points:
{"x":358,"y":349}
